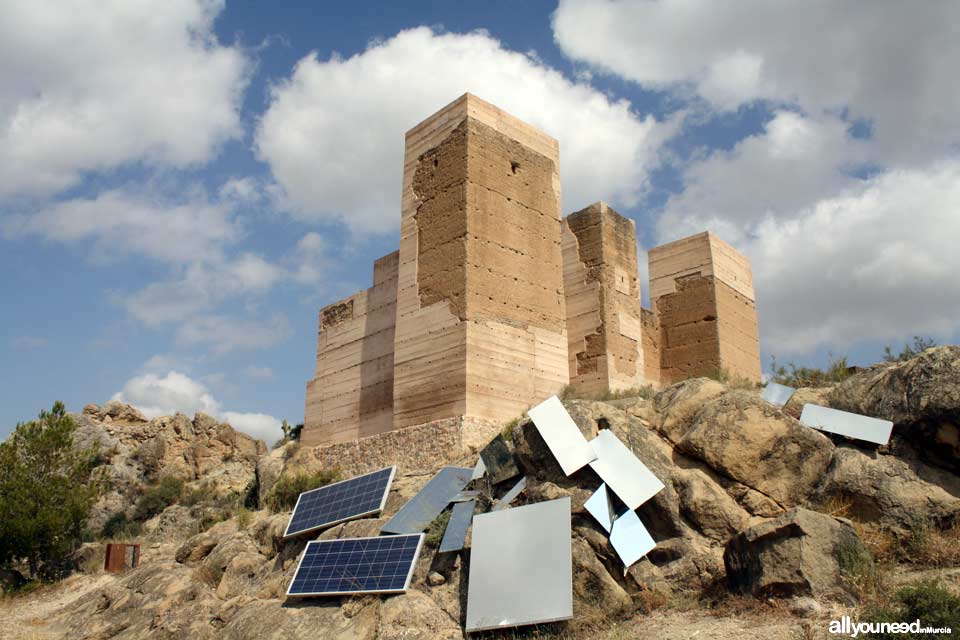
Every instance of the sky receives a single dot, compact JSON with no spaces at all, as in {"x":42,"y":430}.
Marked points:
{"x":182,"y":190}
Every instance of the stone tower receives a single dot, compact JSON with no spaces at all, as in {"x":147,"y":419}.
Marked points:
{"x":701,"y":290}
{"x":480,"y":327}
{"x":603,"y":300}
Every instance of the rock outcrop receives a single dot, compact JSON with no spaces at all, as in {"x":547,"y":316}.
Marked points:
{"x":800,"y":553}
{"x":137,"y":452}
{"x":920,"y":396}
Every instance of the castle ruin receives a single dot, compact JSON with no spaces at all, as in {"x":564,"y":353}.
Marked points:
{"x":495,"y":301}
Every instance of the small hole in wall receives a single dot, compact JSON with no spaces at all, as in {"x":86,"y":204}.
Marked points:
{"x":602,"y":423}
{"x":514,"y":165}
{"x":436,"y":162}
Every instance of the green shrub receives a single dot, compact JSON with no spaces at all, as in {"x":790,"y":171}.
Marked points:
{"x":158,"y":497}
{"x":791,"y":375}
{"x":119,"y":526}
{"x":46,"y":490}
{"x":204,"y":492}
{"x":283,"y":495}
{"x":436,"y":529}
{"x":928,"y":602}
{"x":909,"y":351}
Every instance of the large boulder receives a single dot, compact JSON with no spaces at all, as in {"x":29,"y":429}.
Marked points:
{"x":748,"y":440}
{"x":896,"y":493}
{"x":678,"y":405}
{"x":800,"y":553}
{"x":921,"y":396}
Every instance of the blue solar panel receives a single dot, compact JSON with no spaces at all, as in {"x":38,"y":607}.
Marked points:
{"x":341,"y":501}
{"x":356,"y":565}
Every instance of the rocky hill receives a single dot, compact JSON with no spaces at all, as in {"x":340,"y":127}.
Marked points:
{"x":765,"y":528}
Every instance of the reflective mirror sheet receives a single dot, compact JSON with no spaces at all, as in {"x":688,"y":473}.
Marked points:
{"x":422,"y":508}
{"x":356,"y":565}
{"x":511,"y":495}
{"x":630,"y":538}
{"x":498,"y":461}
{"x":852,"y":425}
{"x":478,"y":470}
{"x":341,"y":501}
{"x":622,"y":471}
{"x":520,"y":567}
{"x":777,"y":394}
{"x":456,"y":533}
{"x":599,"y":506}
{"x":562,"y":435}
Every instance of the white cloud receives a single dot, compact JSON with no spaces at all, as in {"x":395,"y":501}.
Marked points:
{"x":876,"y":262}
{"x":175,"y":392}
{"x":893,"y":64}
{"x":91,"y":85}
{"x":259,"y":425}
{"x":333,"y":133}
{"x":778,"y":172}
{"x":135,"y":221}
{"x":224,"y":334}
{"x":159,"y":396}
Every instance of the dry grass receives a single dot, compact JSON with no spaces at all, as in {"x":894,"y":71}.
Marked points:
{"x":930,"y":546}
{"x":208,"y":576}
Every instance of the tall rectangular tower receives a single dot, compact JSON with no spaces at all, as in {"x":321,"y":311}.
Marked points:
{"x":480,"y":327}
{"x":701,"y":290}
{"x":603,"y":300}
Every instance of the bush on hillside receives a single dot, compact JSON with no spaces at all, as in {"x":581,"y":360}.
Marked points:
{"x":158,"y":497}
{"x":283,"y":495}
{"x":47,"y":487}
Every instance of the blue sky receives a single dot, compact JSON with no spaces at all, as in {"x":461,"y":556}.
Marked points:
{"x":181,"y":191}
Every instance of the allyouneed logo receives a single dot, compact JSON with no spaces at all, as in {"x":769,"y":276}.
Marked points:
{"x":846,"y":626}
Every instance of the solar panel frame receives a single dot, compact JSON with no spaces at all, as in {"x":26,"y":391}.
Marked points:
{"x":345,"y":592}
{"x":383,"y":501}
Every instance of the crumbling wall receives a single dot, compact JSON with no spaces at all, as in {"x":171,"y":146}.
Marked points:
{"x":351,"y":394}
{"x":650,"y":345}
{"x":604,"y":324}
{"x":480,"y":327}
{"x":701,"y":290}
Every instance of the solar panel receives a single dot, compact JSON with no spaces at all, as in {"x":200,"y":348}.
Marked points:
{"x":511,"y":495}
{"x":521,"y":569}
{"x":777,"y":394}
{"x":601,"y":508}
{"x":561,"y":434}
{"x":456,"y":534}
{"x":382,"y":564}
{"x":623,"y":472}
{"x":422,"y":508}
{"x":630,"y":538}
{"x":852,"y":425}
{"x":341,"y":501}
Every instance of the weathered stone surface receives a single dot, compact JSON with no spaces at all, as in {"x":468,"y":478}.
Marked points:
{"x":796,"y":554}
{"x":921,"y":396}
{"x":415,"y":616}
{"x":677,"y":405}
{"x":593,"y":584}
{"x":196,"y":548}
{"x":899,"y":494}
{"x":746,"y":439}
